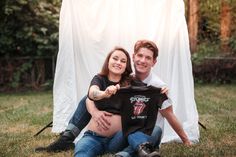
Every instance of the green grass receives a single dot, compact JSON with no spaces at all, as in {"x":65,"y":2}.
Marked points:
{"x":23,"y":114}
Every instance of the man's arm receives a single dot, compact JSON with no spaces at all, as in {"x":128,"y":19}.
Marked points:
{"x":175,"y":124}
{"x":99,"y":116}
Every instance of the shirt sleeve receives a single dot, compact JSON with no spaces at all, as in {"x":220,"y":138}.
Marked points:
{"x":156,"y":81}
{"x":96,"y":81}
{"x":167,"y":103}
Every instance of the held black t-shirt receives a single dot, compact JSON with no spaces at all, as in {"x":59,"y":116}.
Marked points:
{"x":139,"y":107}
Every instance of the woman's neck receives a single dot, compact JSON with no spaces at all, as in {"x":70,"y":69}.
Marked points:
{"x":114,"y":78}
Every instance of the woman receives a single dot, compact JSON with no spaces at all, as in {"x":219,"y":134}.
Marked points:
{"x":115,"y":73}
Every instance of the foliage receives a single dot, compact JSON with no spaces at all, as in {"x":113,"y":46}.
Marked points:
{"x":29,"y":28}
{"x":21,"y":119}
{"x":205,"y":49}
{"x":209,"y":24}
{"x":215,"y":69}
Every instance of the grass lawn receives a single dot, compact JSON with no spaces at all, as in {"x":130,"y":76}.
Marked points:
{"x":23,"y":114}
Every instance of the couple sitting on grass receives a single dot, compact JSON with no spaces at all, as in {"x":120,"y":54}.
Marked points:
{"x":123,"y":113}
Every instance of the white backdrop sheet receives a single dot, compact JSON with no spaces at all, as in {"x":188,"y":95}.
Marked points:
{"x":89,"y":29}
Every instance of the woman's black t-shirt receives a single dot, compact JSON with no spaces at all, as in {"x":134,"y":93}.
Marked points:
{"x":137,"y":104}
{"x":105,"y":104}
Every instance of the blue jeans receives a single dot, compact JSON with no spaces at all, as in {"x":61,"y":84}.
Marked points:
{"x":79,"y":119}
{"x":92,"y":145}
{"x":137,"y":138}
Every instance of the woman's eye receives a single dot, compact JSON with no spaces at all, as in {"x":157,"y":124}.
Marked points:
{"x":123,"y":61}
{"x":115,"y":58}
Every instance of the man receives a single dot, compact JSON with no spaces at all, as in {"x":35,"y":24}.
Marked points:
{"x":144,"y":58}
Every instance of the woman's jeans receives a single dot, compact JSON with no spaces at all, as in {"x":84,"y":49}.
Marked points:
{"x":81,"y":117}
{"x":92,"y":144}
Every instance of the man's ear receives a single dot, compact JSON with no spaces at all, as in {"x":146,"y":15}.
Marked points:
{"x":133,"y":56}
{"x":154,"y":62}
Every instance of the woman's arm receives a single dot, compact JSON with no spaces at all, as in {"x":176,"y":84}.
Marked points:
{"x":96,"y":94}
{"x":99,"y":116}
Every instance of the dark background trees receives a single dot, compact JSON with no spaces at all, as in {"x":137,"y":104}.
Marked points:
{"x":29,"y":38}
{"x":28,"y":42}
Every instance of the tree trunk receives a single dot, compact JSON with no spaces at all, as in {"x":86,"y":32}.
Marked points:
{"x":225,"y":25}
{"x":193,"y":24}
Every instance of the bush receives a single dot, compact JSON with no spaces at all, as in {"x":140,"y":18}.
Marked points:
{"x":215,"y":69}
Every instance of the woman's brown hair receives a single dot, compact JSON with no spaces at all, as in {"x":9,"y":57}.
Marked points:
{"x":128,"y":70}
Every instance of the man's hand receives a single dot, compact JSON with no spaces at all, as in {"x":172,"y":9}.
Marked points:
{"x":164,"y":90}
{"x":187,"y":143}
{"x":101,"y":119}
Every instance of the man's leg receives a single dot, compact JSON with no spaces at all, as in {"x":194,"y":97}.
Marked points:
{"x":127,"y":152}
{"x":156,"y":136}
{"x":78,"y":121}
{"x":155,"y":139}
{"x":134,"y":140}
{"x":143,"y":144}
{"x":137,"y":138}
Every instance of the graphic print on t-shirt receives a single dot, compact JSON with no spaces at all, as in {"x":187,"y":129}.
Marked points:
{"x":139,"y":104}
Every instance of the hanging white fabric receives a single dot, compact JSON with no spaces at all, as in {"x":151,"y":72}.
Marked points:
{"x":89,"y":29}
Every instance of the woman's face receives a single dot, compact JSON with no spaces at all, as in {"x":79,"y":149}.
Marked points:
{"x":117,"y":62}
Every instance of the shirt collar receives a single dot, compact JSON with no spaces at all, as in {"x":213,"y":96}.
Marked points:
{"x":148,"y":78}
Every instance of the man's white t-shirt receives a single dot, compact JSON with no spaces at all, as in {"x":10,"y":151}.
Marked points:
{"x":155,"y":81}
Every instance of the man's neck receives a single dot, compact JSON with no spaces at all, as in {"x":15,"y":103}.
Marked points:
{"x":141,"y":76}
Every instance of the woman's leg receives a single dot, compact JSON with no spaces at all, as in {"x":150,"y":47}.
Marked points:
{"x":90,"y":145}
{"x":117,"y":143}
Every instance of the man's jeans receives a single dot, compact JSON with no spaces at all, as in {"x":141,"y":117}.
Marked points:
{"x":92,"y":145}
{"x":137,"y":138}
{"x":80,"y":118}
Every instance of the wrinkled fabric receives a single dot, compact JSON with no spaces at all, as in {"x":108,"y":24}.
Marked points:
{"x":90,"y":29}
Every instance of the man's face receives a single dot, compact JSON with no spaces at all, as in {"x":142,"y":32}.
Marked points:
{"x":143,"y":61}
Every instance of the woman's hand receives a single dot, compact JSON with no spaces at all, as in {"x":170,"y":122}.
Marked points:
{"x":110,"y":90}
{"x":101,"y":119}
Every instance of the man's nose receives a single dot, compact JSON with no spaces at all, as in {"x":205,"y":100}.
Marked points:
{"x":142,"y":59}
